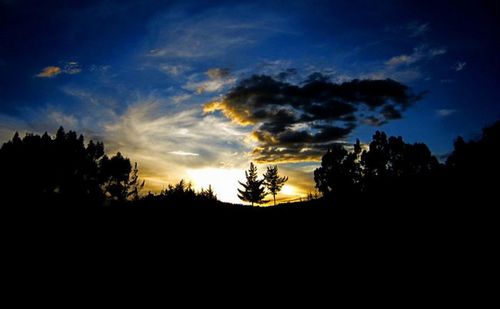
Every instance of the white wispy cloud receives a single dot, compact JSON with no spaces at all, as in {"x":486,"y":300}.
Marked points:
{"x":209,"y":85}
{"x":412,"y":29}
{"x":419,"y":53}
{"x":173,"y":70}
{"x":151,"y":135}
{"x":218,"y":73}
{"x":44,"y":119}
{"x":177,"y":99}
{"x":100,"y":68}
{"x":183,"y":153}
{"x":418,"y":28}
{"x":61,"y":119}
{"x":403,"y":59}
{"x":211,"y":33}
{"x":216,"y":79}
{"x":406,"y":67}
{"x":459,"y":66}
{"x":445,"y":112}
{"x":71,"y":67}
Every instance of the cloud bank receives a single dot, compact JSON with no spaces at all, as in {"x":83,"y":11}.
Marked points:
{"x":298,"y":122}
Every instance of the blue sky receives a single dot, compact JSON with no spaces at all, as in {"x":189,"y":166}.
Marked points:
{"x":137,"y":74}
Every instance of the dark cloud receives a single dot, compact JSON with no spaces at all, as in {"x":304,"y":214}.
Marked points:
{"x":287,"y":74}
{"x":298,"y":122}
{"x":390,"y":112}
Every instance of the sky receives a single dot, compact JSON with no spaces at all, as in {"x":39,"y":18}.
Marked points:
{"x":197,"y":90}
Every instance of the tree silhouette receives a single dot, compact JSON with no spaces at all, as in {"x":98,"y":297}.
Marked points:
{"x":253,"y":190}
{"x":115,"y":174}
{"x":134,"y":185}
{"x":388,"y":164}
{"x":208,"y":194}
{"x":375,"y":160}
{"x":473,"y":165}
{"x":339,"y":172}
{"x":273,"y":182}
{"x":61,"y":169}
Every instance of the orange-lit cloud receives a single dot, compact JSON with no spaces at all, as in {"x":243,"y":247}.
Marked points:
{"x":237,"y":115}
{"x":49,"y":71}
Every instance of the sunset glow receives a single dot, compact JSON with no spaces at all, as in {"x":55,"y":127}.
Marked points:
{"x":223,"y":181}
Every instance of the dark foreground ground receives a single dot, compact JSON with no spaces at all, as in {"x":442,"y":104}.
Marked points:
{"x":430,"y":245}
{"x":416,"y":215}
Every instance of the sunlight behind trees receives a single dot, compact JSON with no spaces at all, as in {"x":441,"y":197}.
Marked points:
{"x":223,"y":181}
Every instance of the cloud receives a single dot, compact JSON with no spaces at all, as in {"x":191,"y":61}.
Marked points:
{"x":183,"y":153}
{"x":417,"y":28}
{"x":180,"y":98}
{"x":70,"y":67}
{"x":218,"y":79}
{"x":374,"y":121}
{"x":99,"y":68}
{"x":46,"y":119}
{"x":298,"y":122}
{"x":436,"y":52}
{"x":419,"y":53}
{"x":218,"y":73}
{"x":209,"y":34}
{"x":406,"y":67}
{"x":402,"y":59}
{"x":411,"y":30}
{"x":151,"y":134}
{"x":209,"y":85}
{"x":459,"y":66}
{"x":61,"y":119}
{"x":445,"y":112}
{"x":173,"y":70}
{"x":49,"y":71}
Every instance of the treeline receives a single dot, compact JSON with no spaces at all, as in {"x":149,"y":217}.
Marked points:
{"x":391,"y":171}
{"x":65,"y":170}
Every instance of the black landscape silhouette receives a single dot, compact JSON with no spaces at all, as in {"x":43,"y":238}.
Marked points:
{"x":65,"y":175}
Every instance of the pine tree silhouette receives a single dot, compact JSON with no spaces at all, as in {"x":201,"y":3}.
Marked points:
{"x":273,"y":182}
{"x":253,"y":190}
{"x":134,"y":185}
